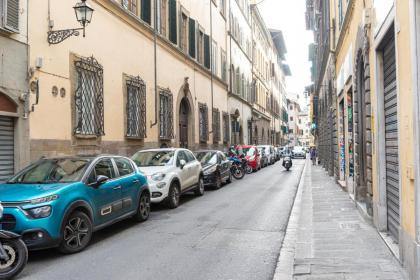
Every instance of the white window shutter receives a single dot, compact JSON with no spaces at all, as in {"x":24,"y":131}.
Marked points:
{"x":11,"y":15}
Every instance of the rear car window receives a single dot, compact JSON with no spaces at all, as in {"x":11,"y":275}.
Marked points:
{"x":124,"y":166}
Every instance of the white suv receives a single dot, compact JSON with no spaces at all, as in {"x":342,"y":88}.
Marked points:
{"x":170,"y":173}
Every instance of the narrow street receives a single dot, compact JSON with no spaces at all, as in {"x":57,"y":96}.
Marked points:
{"x":233,"y":233}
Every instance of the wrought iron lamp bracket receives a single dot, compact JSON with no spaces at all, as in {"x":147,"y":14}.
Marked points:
{"x":58,"y":36}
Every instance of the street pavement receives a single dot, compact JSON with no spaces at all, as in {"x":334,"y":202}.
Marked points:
{"x":328,"y":239}
{"x":232,"y":233}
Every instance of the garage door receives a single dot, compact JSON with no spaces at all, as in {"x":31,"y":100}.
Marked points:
{"x":6,"y":147}
{"x":391,"y":137}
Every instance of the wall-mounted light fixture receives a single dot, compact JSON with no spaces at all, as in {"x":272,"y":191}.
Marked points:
{"x":83,"y":13}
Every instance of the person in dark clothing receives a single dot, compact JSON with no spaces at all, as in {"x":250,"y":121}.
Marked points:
{"x":313,"y":155}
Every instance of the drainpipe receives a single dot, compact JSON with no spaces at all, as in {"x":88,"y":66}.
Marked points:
{"x":415,"y":67}
{"x":211,"y":68}
{"x":155,"y":62}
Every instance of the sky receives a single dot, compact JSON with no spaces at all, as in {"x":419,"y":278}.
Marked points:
{"x":289,"y":16}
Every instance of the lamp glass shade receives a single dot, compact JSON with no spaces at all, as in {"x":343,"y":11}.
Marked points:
{"x":83,"y":13}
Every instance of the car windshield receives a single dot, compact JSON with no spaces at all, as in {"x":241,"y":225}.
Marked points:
{"x":47,"y":171}
{"x":206,"y":157}
{"x":249,"y":151}
{"x":153,"y":158}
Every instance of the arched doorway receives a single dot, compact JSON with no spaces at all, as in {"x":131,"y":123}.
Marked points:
{"x":184,"y":112}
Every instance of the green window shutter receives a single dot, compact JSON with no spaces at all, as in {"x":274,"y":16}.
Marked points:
{"x":146,"y":11}
{"x":207,"y":51}
{"x":172,"y":22}
{"x":192,"y":38}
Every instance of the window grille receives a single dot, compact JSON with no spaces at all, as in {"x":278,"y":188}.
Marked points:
{"x":226,"y":129}
{"x":216,"y":125}
{"x":136,"y":108}
{"x":89,"y":97}
{"x":166,"y":124}
{"x":204,"y":122}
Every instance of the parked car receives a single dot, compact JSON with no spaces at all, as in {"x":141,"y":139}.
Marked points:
{"x":253,"y":156}
{"x":269,"y":152}
{"x":263,"y":156}
{"x":281,"y":151}
{"x":60,"y":202}
{"x":216,"y":168}
{"x":277,"y":153}
{"x":298,"y":152}
{"x":170,"y":173}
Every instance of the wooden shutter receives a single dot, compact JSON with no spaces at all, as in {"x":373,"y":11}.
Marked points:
{"x":146,"y":11}
{"x":11,"y":15}
{"x":192,"y":38}
{"x":207,"y":51}
{"x":172,"y":22}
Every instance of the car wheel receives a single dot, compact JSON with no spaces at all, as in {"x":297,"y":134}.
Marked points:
{"x":174,"y":196}
{"x":218,"y":184}
{"x":143,"y":209}
{"x":199,"y":191}
{"x":76,"y":234}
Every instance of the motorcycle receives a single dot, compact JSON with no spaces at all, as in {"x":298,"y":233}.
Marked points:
{"x":245,"y":165}
{"x":236,"y":169}
{"x":287,"y":162}
{"x":13,"y":253}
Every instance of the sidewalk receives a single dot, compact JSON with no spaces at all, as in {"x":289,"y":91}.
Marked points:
{"x":328,"y":239}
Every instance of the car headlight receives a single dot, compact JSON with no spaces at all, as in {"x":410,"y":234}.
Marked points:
{"x":44,"y":199}
{"x":210,"y":170}
{"x":157,"y":177}
{"x":40,"y":212}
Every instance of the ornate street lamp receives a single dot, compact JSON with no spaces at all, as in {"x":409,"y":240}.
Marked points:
{"x":83,"y":13}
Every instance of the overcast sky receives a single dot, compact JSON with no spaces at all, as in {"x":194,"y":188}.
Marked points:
{"x":289,"y":16}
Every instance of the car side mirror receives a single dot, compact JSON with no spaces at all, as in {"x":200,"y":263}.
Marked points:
{"x":182,"y":163}
{"x":100,"y":181}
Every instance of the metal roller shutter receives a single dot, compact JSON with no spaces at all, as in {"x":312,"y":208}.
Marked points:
{"x":6,"y":148}
{"x":391,"y":137}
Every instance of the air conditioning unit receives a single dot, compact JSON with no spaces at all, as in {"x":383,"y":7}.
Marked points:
{"x":9,"y":12}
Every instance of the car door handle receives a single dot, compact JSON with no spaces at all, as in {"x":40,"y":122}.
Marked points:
{"x":117,"y":188}
{"x":136,"y":181}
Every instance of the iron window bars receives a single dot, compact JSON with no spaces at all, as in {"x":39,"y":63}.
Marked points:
{"x":226,"y":129}
{"x":89,"y":97}
{"x":216,"y":125}
{"x":203,"y":122}
{"x":136,"y":108}
{"x":166,"y":120}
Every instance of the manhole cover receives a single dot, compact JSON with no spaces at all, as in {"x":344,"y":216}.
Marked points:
{"x":350,"y":226}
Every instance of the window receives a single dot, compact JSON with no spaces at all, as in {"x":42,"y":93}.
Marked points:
{"x":166,"y":127}
{"x":130,"y":5}
{"x":340,"y":13}
{"x":291,"y":119}
{"x":223,"y":64}
{"x":183,"y":36}
{"x":207,"y":51}
{"x":181,"y":156}
{"x":291,"y":107}
{"x":146,"y":11}
{"x":190,"y":156}
{"x":216,"y":126}
{"x":89,"y":97}
{"x":238,"y":81}
{"x":124,"y":166}
{"x":10,"y":14}
{"x":214,"y":57}
{"x":136,"y":108}
{"x":203,"y":122}
{"x":200,"y":46}
{"x":172,"y":14}
{"x":191,"y":36}
{"x":103,"y":168}
{"x":300,"y":121}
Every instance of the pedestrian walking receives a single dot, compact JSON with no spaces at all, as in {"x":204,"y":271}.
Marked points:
{"x":313,"y":155}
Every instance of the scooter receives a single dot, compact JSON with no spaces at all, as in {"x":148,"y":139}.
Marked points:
{"x":287,"y":162}
{"x":13,"y":253}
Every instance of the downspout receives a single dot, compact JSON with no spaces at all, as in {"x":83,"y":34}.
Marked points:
{"x":415,"y":68}
{"x":211,"y":68}
{"x":155,"y":62}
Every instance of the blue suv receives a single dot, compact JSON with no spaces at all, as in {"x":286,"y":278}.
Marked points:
{"x":60,"y":202}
